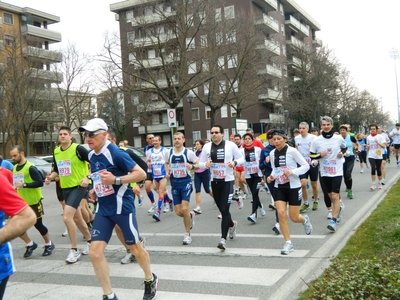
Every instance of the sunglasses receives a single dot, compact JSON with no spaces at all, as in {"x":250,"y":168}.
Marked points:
{"x":93,"y":134}
{"x":214,"y":132}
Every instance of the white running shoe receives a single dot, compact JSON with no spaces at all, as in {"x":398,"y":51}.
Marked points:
{"x":276,"y":228}
{"x":65,"y":233}
{"x":252,"y":218}
{"x":152,"y":208}
{"x":187,"y":240}
{"x":287,"y":248}
{"x":86,"y":250}
{"x":329,"y":215}
{"x":307,"y":225}
{"x":261,"y":210}
{"x":192,"y":214}
{"x":232,"y":230}
{"x":222,"y":244}
{"x":166,"y":208}
{"x":362,"y":171}
{"x":128,"y":258}
{"x":219,"y":216}
{"x":240,"y":202}
{"x":73,"y":257}
{"x":197,"y":210}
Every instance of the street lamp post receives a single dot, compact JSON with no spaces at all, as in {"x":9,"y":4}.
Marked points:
{"x":45,"y":142}
{"x":190,"y":98}
{"x":395,"y":55}
{"x":286,"y":114}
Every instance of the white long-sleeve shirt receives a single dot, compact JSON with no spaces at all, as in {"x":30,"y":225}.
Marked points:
{"x":220,"y":170}
{"x":293,"y":158}
{"x":252,"y":167}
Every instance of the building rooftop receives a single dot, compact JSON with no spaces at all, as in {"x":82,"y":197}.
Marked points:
{"x":35,"y":14}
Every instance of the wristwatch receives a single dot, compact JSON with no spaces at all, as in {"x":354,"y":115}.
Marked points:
{"x":118,"y":180}
{"x":24,"y":185}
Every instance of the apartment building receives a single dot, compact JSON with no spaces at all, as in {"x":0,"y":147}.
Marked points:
{"x":166,"y":55}
{"x":28,"y":105}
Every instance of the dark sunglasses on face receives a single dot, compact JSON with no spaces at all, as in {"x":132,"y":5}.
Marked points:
{"x":214,"y":132}
{"x":93,"y":134}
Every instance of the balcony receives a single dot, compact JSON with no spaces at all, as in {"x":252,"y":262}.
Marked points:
{"x":271,"y":96}
{"x":267,"y":5}
{"x":268,"y":24}
{"x":274,"y":119}
{"x":155,"y":106}
{"x":154,"y":128}
{"x":270,"y":45}
{"x":44,"y":75}
{"x":153,"y":40}
{"x":41,"y":33}
{"x":317,"y":42}
{"x":271,"y":70}
{"x":152,"y":62}
{"x":296,"y":26}
{"x":116,"y":7}
{"x":50,"y":116}
{"x":297,"y":44}
{"x":43,"y":55}
{"x":154,"y":18}
{"x":160,"y":83}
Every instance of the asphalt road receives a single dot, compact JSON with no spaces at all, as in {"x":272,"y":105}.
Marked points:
{"x":251,"y":267}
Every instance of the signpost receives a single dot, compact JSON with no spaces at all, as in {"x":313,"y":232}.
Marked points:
{"x":171,"y":112}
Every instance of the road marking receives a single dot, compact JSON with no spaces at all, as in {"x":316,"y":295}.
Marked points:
{"x":209,"y":274}
{"x":39,"y":291}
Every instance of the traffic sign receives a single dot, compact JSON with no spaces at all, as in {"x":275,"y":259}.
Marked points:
{"x":171,"y":112}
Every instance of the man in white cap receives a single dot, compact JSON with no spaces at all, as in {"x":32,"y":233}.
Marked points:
{"x":112,"y":172}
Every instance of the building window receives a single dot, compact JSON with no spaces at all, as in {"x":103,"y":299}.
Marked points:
{"x":222,"y":87}
{"x":189,"y":20}
{"x":221,"y":62}
{"x":229,"y":12}
{"x":192,"y":68}
{"x":131,"y":37}
{"x":203,"y":41}
{"x":283,"y":29}
{"x":219,"y":38}
{"x":132,"y":58}
{"x":208,"y":133}
{"x":8,"y":18}
{"x":195,"y":114}
{"x":235,"y":86}
{"x":8,"y":40}
{"x":232,"y":61}
{"x":151,"y":54}
{"x":129,"y":16}
{"x":148,"y":11}
{"x":154,"y":97}
{"x":155,"y":119}
{"x":190,"y":43}
{"x":226,"y":134}
{"x":284,"y":50}
{"x":202,"y":17}
{"x":205,"y":66}
{"x":224,"y":112}
{"x":233,"y":115}
{"x":164,"y":118}
{"x":135,"y":99}
{"x":281,"y":8}
{"x":218,"y":15}
{"x":208,"y":112}
{"x":206,"y":88}
{"x":196,"y":135}
{"x":233,"y":130}
{"x":231,"y":37}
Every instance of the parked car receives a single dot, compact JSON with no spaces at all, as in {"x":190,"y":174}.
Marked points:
{"x":43,"y":166}
{"x":138,"y":151}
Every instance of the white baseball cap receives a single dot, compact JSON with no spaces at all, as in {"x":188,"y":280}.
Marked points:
{"x":94,"y":125}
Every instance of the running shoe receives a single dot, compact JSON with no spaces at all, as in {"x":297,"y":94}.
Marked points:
{"x":73,"y":257}
{"x":232,"y":230}
{"x":350,"y":194}
{"x":187,"y":240}
{"x":383,"y":181}
{"x":235,"y":196}
{"x":329,"y":215}
{"x":152,"y":208}
{"x":219,"y":216}
{"x":304,"y":207}
{"x":171,"y":206}
{"x":128,"y":258}
{"x":192,"y":214}
{"x":142,"y":240}
{"x":166,"y":207}
{"x":156,"y":216}
{"x":150,"y":288}
{"x":287,"y":248}
{"x":332,"y":225}
{"x":307,"y":225}
{"x":140,"y":200}
{"x":315,"y":205}
{"x":222,"y":244}
{"x":276,"y":228}
{"x":372,"y":187}
{"x":245,"y":195}
{"x":197,"y":210}
{"x":380,"y":186}
{"x":65,"y":233}
{"x":240,"y":203}
{"x":252,"y":218}
{"x":261,"y":210}
{"x":272,"y":206}
{"x":29,"y":250}
{"x":48,"y":249}
{"x":362,"y":171}
{"x":86,"y":250}
{"x":105,"y":297}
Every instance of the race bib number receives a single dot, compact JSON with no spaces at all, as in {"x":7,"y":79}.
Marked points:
{"x":280,"y":177}
{"x":218,"y":170}
{"x":18,"y":177}
{"x":157,"y":170}
{"x":251,"y":167}
{"x":178,"y":170}
{"x":64,"y":168}
{"x":101,"y":190}
{"x":329,"y":167}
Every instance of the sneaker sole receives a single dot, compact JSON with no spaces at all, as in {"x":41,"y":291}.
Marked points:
{"x":251,"y":220}
{"x":197,"y":212}
{"x":331,"y":228}
{"x":220,"y":246}
{"x":157,"y":219}
{"x":274,"y":229}
{"x":286,"y":253}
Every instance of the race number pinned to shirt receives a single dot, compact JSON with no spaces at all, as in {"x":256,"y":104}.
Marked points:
{"x":280,"y":177}
{"x":329,"y":167}
{"x":64,"y":167}
{"x":101,"y":190}
{"x":18,"y":177}
{"x":218,"y":170}
{"x":251,"y":167}
{"x":178,"y":170}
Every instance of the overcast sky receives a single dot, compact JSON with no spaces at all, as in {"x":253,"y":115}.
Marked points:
{"x":359,"y":32}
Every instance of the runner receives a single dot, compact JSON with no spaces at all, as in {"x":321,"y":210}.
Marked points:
{"x":376,"y":145}
{"x":395,"y":134}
